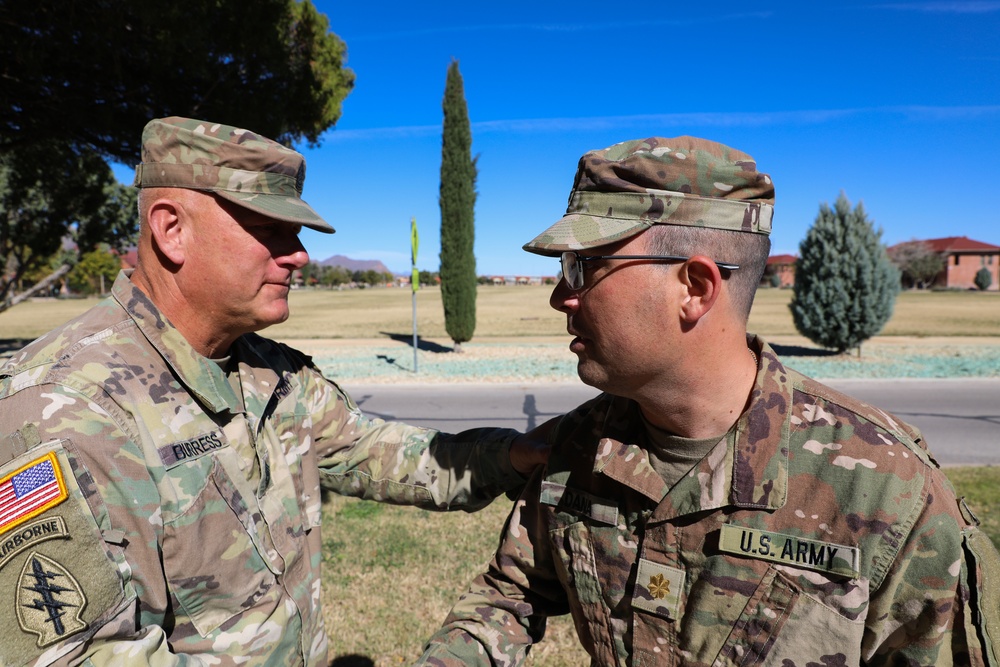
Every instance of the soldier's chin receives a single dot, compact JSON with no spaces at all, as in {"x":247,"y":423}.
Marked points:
{"x":592,"y":374}
{"x":276,"y":314}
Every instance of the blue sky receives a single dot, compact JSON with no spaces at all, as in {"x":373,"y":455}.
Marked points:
{"x":895,"y":103}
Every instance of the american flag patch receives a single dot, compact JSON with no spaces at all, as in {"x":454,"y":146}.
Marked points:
{"x":30,"y":490}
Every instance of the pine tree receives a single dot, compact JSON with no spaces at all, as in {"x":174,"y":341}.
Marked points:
{"x":845,"y":285}
{"x":457,"y":201}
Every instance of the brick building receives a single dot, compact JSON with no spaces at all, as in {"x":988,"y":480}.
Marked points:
{"x":782,"y":266}
{"x":964,"y":257}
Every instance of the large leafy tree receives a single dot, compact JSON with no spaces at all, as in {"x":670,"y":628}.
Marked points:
{"x":95,"y":272}
{"x":78,"y":81}
{"x":93,"y":73}
{"x":457,"y":201}
{"x":918,"y":264}
{"x":845,"y":285}
{"x":50,"y":194}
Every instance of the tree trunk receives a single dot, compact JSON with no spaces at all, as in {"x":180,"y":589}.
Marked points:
{"x":36,"y":288}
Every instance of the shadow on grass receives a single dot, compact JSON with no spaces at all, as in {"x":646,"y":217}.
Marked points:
{"x":10,"y":345}
{"x":392,"y":362}
{"x":352,"y":660}
{"x":800,"y":351}
{"x":422,"y":344}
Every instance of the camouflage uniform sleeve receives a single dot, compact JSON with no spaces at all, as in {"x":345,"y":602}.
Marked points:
{"x":407,"y":465}
{"x":929,"y":608}
{"x":102,"y":526}
{"x":503,"y":612}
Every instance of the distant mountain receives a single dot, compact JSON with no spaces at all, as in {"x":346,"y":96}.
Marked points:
{"x":355,"y":264}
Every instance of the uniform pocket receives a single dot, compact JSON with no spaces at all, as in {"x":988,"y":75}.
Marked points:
{"x":212,"y":565}
{"x":762,"y":619}
{"x":783,"y":624}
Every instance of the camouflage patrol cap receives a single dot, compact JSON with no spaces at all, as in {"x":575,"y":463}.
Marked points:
{"x":625,"y":189}
{"x":237,"y":165}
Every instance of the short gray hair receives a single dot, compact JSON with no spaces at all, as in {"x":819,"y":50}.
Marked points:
{"x":748,"y":250}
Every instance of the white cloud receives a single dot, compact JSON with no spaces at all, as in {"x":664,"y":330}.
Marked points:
{"x":956,"y":7}
{"x":706,"y":119}
{"x":561,"y":27}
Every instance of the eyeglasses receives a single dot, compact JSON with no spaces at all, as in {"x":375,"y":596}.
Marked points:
{"x":572,"y":264}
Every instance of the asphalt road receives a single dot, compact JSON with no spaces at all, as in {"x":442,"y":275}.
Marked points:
{"x":960,"y":418}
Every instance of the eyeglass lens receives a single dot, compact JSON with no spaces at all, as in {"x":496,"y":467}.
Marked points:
{"x":571,"y":270}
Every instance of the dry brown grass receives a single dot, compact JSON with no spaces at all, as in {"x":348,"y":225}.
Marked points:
{"x":945,"y":314}
{"x":500,"y":311}
{"x":921,"y":314}
{"x":524,"y":311}
{"x":32,"y":318}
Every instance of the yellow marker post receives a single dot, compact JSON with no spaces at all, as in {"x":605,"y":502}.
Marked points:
{"x":414,"y":282}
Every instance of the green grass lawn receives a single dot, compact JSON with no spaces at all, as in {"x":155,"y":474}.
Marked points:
{"x":981,"y":487}
{"x":377,"y":555}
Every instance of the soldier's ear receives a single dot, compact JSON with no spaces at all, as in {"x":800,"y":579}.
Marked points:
{"x":167,"y":227}
{"x":702,"y":283}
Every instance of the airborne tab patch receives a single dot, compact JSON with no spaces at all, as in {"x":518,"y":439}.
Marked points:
{"x":30,"y":490}
{"x":39,"y":530}
{"x":791,"y":550}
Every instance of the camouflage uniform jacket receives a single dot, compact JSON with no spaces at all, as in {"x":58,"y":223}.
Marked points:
{"x":818,"y":532}
{"x":151,"y":515}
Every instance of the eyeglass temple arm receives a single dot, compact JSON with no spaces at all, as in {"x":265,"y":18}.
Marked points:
{"x":679,"y":258}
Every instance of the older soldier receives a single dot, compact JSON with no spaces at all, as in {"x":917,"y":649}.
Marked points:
{"x":714,"y":507}
{"x":161,"y":471}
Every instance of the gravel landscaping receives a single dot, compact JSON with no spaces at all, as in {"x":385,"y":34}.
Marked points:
{"x":548,"y":359}
{"x":535,"y":361}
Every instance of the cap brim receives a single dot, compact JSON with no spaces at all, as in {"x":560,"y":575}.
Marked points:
{"x":577,"y":231}
{"x":286,"y":209}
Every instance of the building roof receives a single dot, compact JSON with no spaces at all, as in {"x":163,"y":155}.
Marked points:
{"x":129,"y":258}
{"x":782,"y":259}
{"x":950,"y":244}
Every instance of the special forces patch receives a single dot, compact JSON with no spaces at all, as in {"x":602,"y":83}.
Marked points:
{"x":49,"y":600}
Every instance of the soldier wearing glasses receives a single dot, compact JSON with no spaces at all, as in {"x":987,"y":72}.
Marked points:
{"x":712,"y":506}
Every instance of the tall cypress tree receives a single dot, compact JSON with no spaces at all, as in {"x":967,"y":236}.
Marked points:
{"x":845,"y":284}
{"x":457,"y":200}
